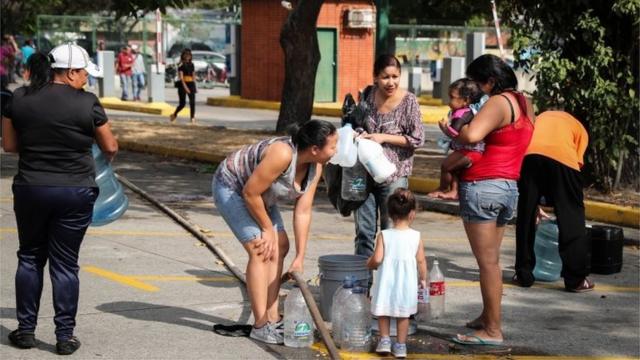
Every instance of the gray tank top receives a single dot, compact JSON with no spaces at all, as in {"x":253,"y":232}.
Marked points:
{"x":235,"y":170}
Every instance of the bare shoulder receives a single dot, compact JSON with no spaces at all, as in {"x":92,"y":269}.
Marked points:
{"x":279,"y":152}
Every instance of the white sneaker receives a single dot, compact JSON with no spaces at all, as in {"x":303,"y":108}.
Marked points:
{"x":279,"y":326}
{"x":267,"y":334}
{"x":384,"y":345}
{"x":399,"y":350}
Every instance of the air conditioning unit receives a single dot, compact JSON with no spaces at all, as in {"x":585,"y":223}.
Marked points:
{"x":361,"y":19}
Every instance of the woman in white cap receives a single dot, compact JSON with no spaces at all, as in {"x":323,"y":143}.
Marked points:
{"x":52,"y":123}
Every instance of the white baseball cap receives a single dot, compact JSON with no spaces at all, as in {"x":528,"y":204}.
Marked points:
{"x":71,"y":56}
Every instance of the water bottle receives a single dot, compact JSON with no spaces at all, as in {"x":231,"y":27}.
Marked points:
{"x":356,"y":321}
{"x":372,"y":156}
{"x":298,"y":324}
{"x":354,"y":183}
{"x":548,"y":262}
{"x":112,"y":201}
{"x":337,"y":305}
{"x":436,"y":291}
{"x":423,"y":305}
{"x":346,"y":154}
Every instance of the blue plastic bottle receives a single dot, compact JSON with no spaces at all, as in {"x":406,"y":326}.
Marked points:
{"x":548,"y":262}
{"x":112,"y":201}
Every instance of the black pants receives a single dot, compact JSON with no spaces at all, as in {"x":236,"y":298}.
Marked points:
{"x":182,"y":98}
{"x":562,"y":185}
{"x":52,"y":221}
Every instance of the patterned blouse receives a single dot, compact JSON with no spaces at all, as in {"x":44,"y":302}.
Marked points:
{"x":405,"y":120}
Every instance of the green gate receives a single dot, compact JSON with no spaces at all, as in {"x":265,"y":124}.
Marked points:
{"x":325,"y":89}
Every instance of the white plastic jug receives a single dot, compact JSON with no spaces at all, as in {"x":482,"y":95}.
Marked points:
{"x":347,"y":153}
{"x":372,"y":157}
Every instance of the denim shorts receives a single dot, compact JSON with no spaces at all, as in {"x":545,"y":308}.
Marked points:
{"x":488,"y":201}
{"x":232,"y":207}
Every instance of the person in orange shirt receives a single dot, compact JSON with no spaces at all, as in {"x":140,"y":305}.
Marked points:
{"x":551,"y":169}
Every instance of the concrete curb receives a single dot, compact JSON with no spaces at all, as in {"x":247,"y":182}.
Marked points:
{"x":596,"y":211}
{"x":155,"y":108}
{"x":431,"y":114}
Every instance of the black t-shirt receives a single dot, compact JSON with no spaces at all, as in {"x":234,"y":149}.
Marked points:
{"x":55,"y":128}
{"x":187,"y":69}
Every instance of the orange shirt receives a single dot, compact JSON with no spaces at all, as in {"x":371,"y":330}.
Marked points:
{"x":561,"y":137}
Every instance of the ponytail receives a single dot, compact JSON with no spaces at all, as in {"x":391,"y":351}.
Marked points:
{"x":40,"y":73}
{"x":400,"y":204}
{"x":313,"y":132}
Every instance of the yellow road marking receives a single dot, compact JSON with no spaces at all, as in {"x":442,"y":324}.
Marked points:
{"x":346,"y":355}
{"x":185,"y":278}
{"x":122,"y":279}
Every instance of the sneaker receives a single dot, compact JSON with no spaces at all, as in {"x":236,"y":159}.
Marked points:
{"x":68,"y":347}
{"x":399,"y":350}
{"x":172,"y":118}
{"x":585,"y":285}
{"x":22,"y":340}
{"x":279,"y":326}
{"x":384,"y":345}
{"x":267,"y":334}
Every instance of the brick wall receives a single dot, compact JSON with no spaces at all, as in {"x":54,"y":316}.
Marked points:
{"x":263,"y":59}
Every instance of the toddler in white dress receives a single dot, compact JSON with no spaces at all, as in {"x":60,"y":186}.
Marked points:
{"x":399,"y":259}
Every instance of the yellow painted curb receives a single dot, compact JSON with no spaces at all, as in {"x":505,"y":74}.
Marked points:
{"x":154,"y":108}
{"x":596,"y":211}
{"x":612,"y":214}
{"x":430,"y":114}
{"x":428,"y":100}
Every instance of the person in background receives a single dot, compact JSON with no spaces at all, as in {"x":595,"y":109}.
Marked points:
{"x":27,"y":50}
{"x":97,"y":60}
{"x":488,"y":190}
{"x":124,"y":65}
{"x":247,"y":187}
{"x":399,"y":258}
{"x":52,"y":124}
{"x":186,"y":86}
{"x":8,"y":52}
{"x":138,"y":72}
{"x":395,"y":122}
{"x":551,"y":169}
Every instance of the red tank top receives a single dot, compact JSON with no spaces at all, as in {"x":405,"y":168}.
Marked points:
{"x":504,"y":148}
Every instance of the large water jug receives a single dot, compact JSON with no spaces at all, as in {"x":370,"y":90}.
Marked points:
{"x":356,"y":321}
{"x":354,"y":183}
{"x":347,"y":153}
{"x":371,"y":155}
{"x":298,"y":323}
{"x":112,"y":201}
{"x":548,"y":262}
{"x":337,"y":307}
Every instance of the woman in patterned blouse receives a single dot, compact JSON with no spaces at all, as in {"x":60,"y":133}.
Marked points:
{"x":395,"y":122}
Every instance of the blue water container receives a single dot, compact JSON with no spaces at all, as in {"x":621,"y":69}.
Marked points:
{"x":548,"y":262}
{"x":112,"y":201}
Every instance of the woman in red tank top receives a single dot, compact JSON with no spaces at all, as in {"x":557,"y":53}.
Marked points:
{"x":488,"y":189}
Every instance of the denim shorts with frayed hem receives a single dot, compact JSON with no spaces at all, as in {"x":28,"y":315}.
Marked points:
{"x":234,"y":211}
{"x":488,"y":201}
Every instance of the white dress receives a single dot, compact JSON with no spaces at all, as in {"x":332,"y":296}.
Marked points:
{"x":395,"y":285}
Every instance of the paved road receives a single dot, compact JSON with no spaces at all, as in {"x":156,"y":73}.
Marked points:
{"x":149,"y":290}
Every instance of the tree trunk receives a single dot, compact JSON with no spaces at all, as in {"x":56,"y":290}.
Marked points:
{"x":299,"y":40}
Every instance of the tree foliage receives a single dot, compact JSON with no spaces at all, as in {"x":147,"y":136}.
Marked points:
{"x":19,"y":16}
{"x":435,"y":12}
{"x":584,"y":54}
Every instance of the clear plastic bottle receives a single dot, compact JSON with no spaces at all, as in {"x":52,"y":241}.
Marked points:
{"x":298,"y":323}
{"x":356,"y":321}
{"x":423,"y":306}
{"x":548,"y":262}
{"x":112,"y":201}
{"x":436,"y":291}
{"x":347,"y":153}
{"x":337,"y":306}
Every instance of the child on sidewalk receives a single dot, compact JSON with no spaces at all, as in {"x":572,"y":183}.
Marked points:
{"x":466,"y":99}
{"x":399,"y":257}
